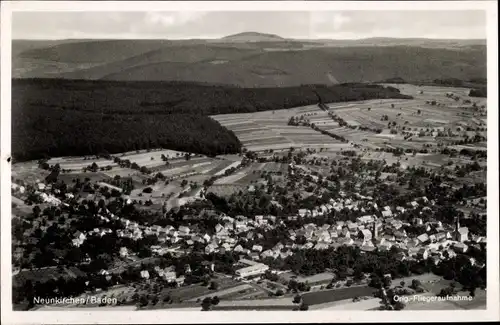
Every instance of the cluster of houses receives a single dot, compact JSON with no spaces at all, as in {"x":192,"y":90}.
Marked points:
{"x":168,"y":274}
{"x":379,"y":229}
{"x":368,"y":232}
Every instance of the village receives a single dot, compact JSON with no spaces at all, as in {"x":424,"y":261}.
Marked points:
{"x":410,"y":232}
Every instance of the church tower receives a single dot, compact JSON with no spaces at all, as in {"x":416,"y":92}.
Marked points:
{"x":375,"y":230}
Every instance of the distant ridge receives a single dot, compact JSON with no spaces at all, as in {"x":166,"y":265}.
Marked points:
{"x":253,"y":37}
{"x":250,"y":59}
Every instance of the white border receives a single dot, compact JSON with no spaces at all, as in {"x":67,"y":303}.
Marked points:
{"x":64,"y":317}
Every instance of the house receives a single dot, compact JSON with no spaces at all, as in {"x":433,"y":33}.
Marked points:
{"x":418,"y":221}
{"x":252,"y":270}
{"x":448,"y":254}
{"x":324,"y":236}
{"x":352,"y":226}
{"x":365,"y":234}
{"x":367,"y":248}
{"x":239,"y":248}
{"x":396,"y":224}
{"x":435,"y":260}
{"x":346,"y":233}
{"x":218,"y":228}
{"x":268,"y":253}
{"x":413,"y":251}
{"x":279,"y":246}
{"x":309,"y":233}
{"x":440,"y":236}
{"x":378,"y":241}
{"x":183,"y":230}
{"x":423,"y":238}
{"x":180,"y":280}
{"x":321,"y":246}
{"x":460,"y":247}
{"x":79,"y":239}
{"x":303,"y":212}
{"x":210,"y":248}
{"x":123,"y":252}
{"x":308,"y":245}
{"x":156,"y":228}
{"x":400,"y":235}
{"x":257,"y":248}
{"x":401,"y":256}
{"x":145,"y":274}
{"x":462,"y":234}
{"x":389,"y":237}
{"x":345,"y":241}
{"x":423,"y":253}
{"x":365,"y":219}
{"x":197,"y":239}
{"x":254,"y":255}
{"x":284,"y":255}
{"x":169,"y":276}
{"x":385,"y":246}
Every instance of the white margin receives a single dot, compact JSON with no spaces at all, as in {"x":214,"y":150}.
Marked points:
{"x":101,"y":317}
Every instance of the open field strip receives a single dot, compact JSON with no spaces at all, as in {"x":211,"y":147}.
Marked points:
{"x":226,"y":189}
{"x":69,"y":160}
{"x":258,"y":136}
{"x":77,"y":165}
{"x":180,"y":163}
{"x":348,"y":304}
{"x":276,"y":146}
{"x":211,"y":168}
{"x":242,"y":132}
{"x":153,"y":158}
{"x":258,"y":302}
{"x":222,"y":293}
{"x":222,"y":171}
{"x":222,"y":165}
{"x":155,"y":153}
{"x":231,"y":178}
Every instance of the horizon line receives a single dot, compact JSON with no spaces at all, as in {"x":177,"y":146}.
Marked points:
{"x":222,"y":37}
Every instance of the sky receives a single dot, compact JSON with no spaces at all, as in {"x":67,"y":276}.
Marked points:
{"x":214,"y":24}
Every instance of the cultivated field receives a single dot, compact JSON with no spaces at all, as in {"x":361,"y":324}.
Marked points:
{"x":269,"y":130}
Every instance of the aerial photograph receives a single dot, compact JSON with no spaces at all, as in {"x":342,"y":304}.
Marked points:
{"x":249,"y":160}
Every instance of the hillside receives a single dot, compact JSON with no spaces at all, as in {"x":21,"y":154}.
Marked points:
{"x":252,"y":37}
{"x":261,"y":61}
{"x":58,"y":117}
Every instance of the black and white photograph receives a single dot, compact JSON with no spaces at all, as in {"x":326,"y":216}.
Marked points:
{"x":299,"y":159}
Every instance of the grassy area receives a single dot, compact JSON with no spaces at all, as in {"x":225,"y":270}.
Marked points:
{"x":319,"y":297}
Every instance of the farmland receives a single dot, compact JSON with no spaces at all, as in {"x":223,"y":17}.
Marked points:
{"x":324,"y":296}
{"x":269,"y":130}
{"x":183,"y":174}
{"x":436,"y":116}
